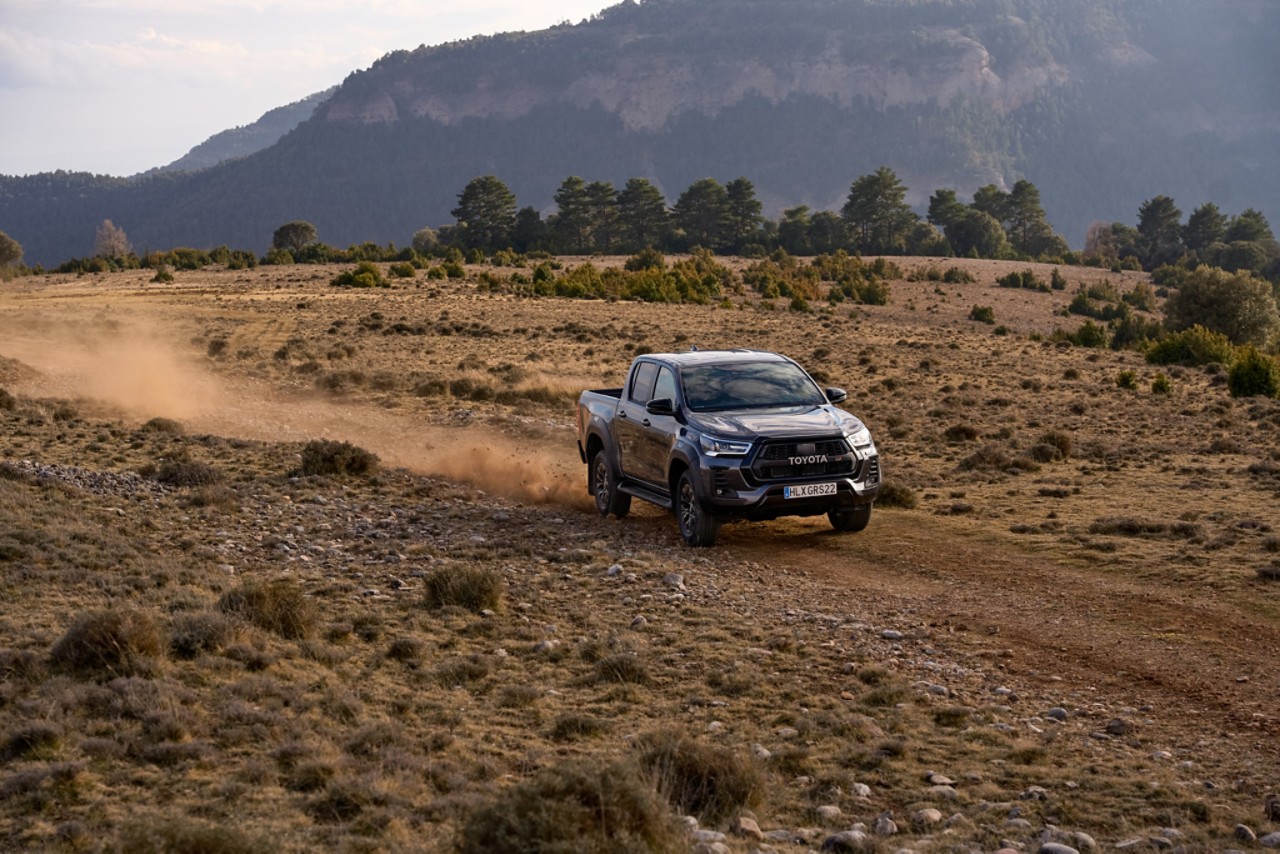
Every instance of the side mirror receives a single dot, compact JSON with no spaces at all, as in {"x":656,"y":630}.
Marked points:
{"x":837,"y":395}
{"x":661,"y":406}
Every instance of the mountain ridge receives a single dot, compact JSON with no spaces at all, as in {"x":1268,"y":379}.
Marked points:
{"x":1101,"y":103}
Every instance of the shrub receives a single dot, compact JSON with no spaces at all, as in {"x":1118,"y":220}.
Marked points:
{"x":699,"y":779}
{"x":983,"y":314}
{"x":403,"y":270}
{"x":957,"y":276}
{"x":115,"y":643}
{"x":162,"y":425}
{"x":34,"y":740}
{"x":578,"y":806}
{"x":1058,"y":440}
{"x":571,"y":726}
{"x":1026,"y":279}
{"x":646,"y":259}
{"x":1253,"y":374}
{"x":1161,"y":385}
{"x":7,"y":401}
{"x":1127,"y":380}
{"x":193,"y":634}
{"x":471,"y":587}
{"x":894,"y":494}
{"x":623,"y":667}
{"x":163,"y":835}
{"x":1192,"y":346}
{"x":187,"y":473}
{"x":327,"y":457}
{"x":1239,"y":305}
{"x":365,"y":275}
{"x":276,"y":606}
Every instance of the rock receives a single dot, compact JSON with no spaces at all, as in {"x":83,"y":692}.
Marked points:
{"x":761,"y":752}
{"x":1118,"y":727}
{"x":1057,"y":848}
{"x":1271,"y":840}
{"x":936,"y":779}
{"x":946,"y":793}
{"x":885,"y":825}
{"x":828,"y":812}
{"x":849,"y":840}
{"x":1057,"y":713}
{"x":1160,"y":842}
{"x":639,"y":622}
{"x":747,"y":827}
{"x":860,"y":790}
{"x":1034,"y":793}
{"x":926,"y":816}
{"x":1130,"y":844}
{"x":1271,"y":808}
{"x":501,"y":517}
{"x":1244,"y":833}
{"x":702,"y":835}
{"x":674,"y":580}
{"x":711,"y":848}
{"x":1084,"y":841}
{"x":614,"y":570}
{"x":786,"y":732}
{"x":891,"y":634}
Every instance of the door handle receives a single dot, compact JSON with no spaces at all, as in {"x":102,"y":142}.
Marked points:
{"x":622,"y":414}
{"x":645,"y":422}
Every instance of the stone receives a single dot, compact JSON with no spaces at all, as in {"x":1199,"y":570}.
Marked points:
{"x":614,"y":570}
{"x":885,"y":825}
{"x":1118,"y":727}
{"x":1084,"y":841}
{"x":746,"y":826}
{"x":1244,"y":833}
{"x":860,"y":790}
{"x":1057,"y":713}
{"x":1057,"y":848}
{"x":1271,"y":840}
{"x":936,"y":779}
{"x":674,"y":580}
{"x":1034,"y":793}
{"x":849,"y":840}
{"x":946,"y":793}
{"x":828,"y":812}
{"x":891,"y":634}
{"x":639,"y":622}
{"x":926,"y":816}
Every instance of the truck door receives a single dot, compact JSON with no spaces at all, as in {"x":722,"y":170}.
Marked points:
{"x":660,"y":430}
{"x":629,"y":425}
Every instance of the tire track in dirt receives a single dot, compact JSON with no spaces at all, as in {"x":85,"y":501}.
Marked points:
{"x":1207,"y":667}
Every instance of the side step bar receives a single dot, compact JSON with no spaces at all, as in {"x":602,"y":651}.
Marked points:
{"x":646,"y":493}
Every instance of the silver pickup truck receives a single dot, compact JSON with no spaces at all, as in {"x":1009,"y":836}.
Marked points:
{"x":721,"y":434}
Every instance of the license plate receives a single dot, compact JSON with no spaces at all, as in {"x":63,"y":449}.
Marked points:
{"x":809,"y":490}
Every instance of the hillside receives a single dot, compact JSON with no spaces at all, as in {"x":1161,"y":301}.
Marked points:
{"x":251,"y":138}
{"x":1101,"y":103}
{"x":209,"y":647}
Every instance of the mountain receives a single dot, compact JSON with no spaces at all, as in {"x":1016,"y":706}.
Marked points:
{"x":1101,"y":103}
{"x":248,"y":139}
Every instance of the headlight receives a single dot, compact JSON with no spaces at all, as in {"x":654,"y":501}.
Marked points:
{"x":859,"y":437}
{"x":716,"y":447}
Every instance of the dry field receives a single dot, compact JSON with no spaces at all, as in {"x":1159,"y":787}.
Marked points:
{"x":206,"y":648}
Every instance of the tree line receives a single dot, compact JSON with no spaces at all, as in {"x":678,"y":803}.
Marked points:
{"x":597,"y":218}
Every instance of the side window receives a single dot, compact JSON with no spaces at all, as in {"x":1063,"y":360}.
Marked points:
{"x":666,"y":386}
{"x":642,"y":382}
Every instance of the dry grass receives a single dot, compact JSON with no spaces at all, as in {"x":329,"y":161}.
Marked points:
{"x":308,"y":659}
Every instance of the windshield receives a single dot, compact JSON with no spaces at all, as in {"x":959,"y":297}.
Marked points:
{"x":748,"y":385}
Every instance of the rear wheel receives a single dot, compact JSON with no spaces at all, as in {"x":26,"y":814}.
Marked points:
{"x":604,"y":487}
{"x":853,"y":519}
{"x":697,"y":526}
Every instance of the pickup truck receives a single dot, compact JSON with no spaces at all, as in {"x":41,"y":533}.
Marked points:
{"x":722,"y":434}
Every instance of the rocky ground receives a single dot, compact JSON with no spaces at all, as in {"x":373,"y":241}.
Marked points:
{"x":945,"y":681}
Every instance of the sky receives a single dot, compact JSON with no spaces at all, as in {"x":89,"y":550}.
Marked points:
{"x":120,"y":86}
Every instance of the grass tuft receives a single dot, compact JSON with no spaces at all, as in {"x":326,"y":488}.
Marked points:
{"x":700,"y":779}
{"x":326,"y":457}
{"x":277,"y":606}
{"x":468,"y":587}
{"x":109,"y":643}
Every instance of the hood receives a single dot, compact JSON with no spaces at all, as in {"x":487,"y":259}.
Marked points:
{"x":787,"y":422}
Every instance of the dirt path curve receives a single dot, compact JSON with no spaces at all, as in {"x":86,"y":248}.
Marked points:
{"x":1205,"y":665}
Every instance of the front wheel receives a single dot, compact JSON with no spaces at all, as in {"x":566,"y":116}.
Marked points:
{"x":697,"y":526}
{"x":604,"y":488}
{"x":854,"y":519}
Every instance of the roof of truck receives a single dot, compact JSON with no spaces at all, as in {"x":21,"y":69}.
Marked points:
{"x":716,"y":357}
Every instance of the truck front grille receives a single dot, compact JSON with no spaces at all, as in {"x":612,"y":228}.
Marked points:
{"x":790,"y":460}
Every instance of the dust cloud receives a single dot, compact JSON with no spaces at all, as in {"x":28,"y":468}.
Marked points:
{"x":135,"y":369}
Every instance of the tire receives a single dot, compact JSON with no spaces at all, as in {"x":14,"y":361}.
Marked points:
{"x":852,"y":520}
{"x":698,"y":528}
{"x":603,"y":485}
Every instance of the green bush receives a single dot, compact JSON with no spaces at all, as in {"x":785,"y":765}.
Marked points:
{"x":403,"y":270}
{"x":1193,"y":346}
{"x":577,"y":806}
{"x":983,"y":314}
{"x":1027,"y":280}
{"x":365,"y":275}
{"x":473,"y":588}
{"x":279,"y":607}
{"x":1127,"y":380}
{"x":1253,"y":374}
{"x":325,"y":456}
{"x":646,"y":259}
{"x":894,"y":494}
{"x":183,"y":472}
{"x":1161,"y":385}
{"x":1238,"y":305}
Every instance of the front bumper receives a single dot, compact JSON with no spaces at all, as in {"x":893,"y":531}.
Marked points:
{"x":727,"y":491}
